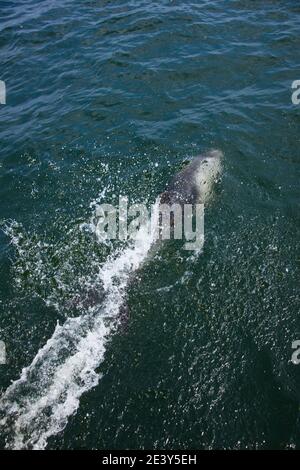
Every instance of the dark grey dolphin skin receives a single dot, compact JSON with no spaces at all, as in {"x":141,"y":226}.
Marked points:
{"x":194,"y":183}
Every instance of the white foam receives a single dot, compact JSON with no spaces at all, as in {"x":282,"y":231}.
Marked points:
{"x":39,"y":404}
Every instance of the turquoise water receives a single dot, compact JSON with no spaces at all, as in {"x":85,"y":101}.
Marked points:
{"x":108,"y":98}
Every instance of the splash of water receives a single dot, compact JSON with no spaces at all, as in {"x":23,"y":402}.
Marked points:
{"x":39,"y":404}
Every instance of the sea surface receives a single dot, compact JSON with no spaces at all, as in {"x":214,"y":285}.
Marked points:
{"x":109,"y":98}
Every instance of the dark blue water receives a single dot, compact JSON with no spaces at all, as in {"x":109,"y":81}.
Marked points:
{"x":107,"y":98}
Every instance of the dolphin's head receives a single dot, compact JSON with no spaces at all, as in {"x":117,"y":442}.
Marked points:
{"x":206,"y":171}
{"x":194,"y":183}
{"x":213,"y":159}
{"x":215,"y":153}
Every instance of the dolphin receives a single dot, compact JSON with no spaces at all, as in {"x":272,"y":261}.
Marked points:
{"x":190,"y":186}
{"x":194,"y":184}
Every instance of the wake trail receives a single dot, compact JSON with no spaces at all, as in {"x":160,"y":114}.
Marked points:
{"x":39,"y":404}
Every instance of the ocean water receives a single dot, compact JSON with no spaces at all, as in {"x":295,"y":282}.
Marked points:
{"x":108,"y":98}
